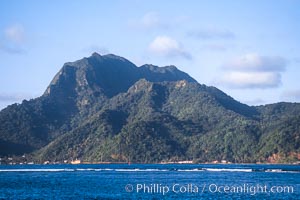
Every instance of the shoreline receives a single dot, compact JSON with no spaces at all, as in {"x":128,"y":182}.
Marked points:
{"x":125,"y":163}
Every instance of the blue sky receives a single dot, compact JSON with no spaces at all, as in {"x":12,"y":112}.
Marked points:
{"x":249,"y":48}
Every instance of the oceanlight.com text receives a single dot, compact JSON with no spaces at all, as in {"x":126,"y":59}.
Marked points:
{"x":164,"y":189}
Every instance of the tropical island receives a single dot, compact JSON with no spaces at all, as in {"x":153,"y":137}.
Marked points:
{"x":105,"y":109}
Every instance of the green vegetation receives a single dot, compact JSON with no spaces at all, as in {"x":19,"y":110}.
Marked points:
{"x":104,"y":108}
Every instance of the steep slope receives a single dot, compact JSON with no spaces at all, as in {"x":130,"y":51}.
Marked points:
{"x":104,"y":108}
{"x":280,"y":124}
{"x":78,"y":90}
{"x":152,"y":121}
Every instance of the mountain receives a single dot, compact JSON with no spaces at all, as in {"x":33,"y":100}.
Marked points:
{"x":104,"y":108}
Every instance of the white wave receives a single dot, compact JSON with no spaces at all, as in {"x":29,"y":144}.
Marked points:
{"x":81,"y":169}
{"x":274,"y":170}
{"x":281,"y":171}
{"x":126,"y":170}
{"x":146,"y":170}
{"x":88,"y":169}
{"x":139,"y":170}
{"x":227,"y":170}
{"x":35,"y":170}
{"x":153,"y":170}
{"x":190,"y":170}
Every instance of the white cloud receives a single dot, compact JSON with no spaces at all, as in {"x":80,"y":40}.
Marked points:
{"x":253,"y":71}
{"x":251,"y":79}
{"x":169,"y":47}
{"x":15,"y":33}
{"x":211,"y":33}
{"x":255,"y":62}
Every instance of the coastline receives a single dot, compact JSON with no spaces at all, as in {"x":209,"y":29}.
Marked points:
{"x":136,"y":163}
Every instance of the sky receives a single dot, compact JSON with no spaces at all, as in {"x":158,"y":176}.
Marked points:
{"x":249,"y":49}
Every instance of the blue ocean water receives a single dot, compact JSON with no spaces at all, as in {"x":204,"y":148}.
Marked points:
{"x":150,"y":181}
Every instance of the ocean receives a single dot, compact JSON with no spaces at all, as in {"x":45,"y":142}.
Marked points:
{"x":150,"y":181}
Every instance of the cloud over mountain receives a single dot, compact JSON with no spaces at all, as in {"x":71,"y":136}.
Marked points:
{"x":168,"y":47}
{"x":255,"y":62}
{"x":251,"y":79}
{"x":253,"y":71}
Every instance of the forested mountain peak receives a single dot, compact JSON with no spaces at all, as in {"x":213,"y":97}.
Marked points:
{"x":104,"y":107}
